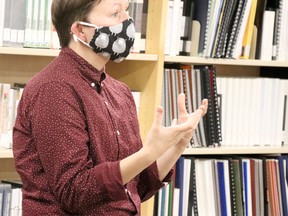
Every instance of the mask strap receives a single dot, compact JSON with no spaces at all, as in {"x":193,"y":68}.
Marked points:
{"x":76,"y":39}
{"x":88,"y":24}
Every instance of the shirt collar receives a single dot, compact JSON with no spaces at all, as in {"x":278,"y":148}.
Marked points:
{"x":89,"y":72}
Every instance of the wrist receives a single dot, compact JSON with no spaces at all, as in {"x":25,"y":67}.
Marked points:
{"x":180,"y":147}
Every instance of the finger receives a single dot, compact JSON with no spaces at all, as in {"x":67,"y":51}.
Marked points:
{"x":191,"y":123}
{"x":181,"y":104}
{"x":158,"y":116}
{"x":204,"y":106}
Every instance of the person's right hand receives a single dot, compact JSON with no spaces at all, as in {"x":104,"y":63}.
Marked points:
{"x":159,"y":139}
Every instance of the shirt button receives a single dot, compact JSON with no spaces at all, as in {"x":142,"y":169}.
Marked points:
{"x":118,"y":132}
{"x":93,"y":84}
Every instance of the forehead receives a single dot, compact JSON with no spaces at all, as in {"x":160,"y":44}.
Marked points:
{"x":102,"y":7}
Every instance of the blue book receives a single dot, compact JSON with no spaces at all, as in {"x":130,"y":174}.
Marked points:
{"x":163,"y":206}
{"x":282,"y":160}
{"x":245,"y":185}
{"x":222,"y":188}
{"x":179,"y":180}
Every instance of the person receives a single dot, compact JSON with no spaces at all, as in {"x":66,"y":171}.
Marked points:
{"x":76,"y":139}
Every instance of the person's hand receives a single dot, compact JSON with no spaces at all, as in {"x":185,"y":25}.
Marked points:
{"x":159,"y":139}
{"x":183,"y":116}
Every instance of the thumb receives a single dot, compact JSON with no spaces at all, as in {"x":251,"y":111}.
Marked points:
{"x":158,"y":116}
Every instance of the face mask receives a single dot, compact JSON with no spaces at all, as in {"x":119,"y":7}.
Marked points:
{"x":114,"y":42}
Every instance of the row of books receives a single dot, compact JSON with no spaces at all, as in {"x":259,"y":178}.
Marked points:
{"x":10,"y":198}
{"x":242,"y":111}
{"x":197,"y":83}
{"x":226,"y":186}
{"x":248,"y":29}
{"x":253,"y":111}
{"x":27,"y":23}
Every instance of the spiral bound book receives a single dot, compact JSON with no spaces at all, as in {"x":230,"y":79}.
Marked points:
{"x":209,"y":117}
{"x":223,"y":27}
{"x":200,"y":16}
{"x":206,"y":35}
{"x":196,"y":96}
{"x":233,"y":31}
{"x":280,"y":30}
{"x":216,"y":107}
{"x":237,"y":44}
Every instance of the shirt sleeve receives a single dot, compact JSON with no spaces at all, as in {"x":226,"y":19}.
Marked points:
{"x":150,"y":183}
{"x":59,"y":128}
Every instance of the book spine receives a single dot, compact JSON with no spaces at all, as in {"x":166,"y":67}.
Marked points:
{"x":28,"y":23}
{"x":7,"y":23}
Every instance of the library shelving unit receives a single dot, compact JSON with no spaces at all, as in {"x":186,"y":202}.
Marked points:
{"x":141,"y":72}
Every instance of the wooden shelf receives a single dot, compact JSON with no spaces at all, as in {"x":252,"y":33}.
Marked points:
{"x":232,"y":62}
{"x":54,"y":53}
{"x":237,"y":150}
{"x":5,"y":153}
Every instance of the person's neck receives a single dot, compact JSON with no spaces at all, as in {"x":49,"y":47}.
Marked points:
{"x":89,"y":55}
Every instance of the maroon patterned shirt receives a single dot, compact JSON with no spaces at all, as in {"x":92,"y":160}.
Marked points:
{"x":74,"y":125}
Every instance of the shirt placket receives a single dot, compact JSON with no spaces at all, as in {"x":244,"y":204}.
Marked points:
{"x":114,"y":125}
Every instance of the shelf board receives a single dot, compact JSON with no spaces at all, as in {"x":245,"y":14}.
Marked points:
{"x":239,"y":62}
{"x":54,"y":53}
{"x":236,"y":150}
{"x":6,"y":153}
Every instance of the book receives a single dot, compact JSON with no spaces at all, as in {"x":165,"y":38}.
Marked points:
{"x":246,"y":186}
{"x":224,"y":187}
{"x":282,"y":160}
{"x":216,"y":8}
{"x":247,"y":38}
{"x":2,"y":12}
{"x":137,"y":17}
{"x":281,"y":39}
{"x":6,"y":199}
{"x":266,"y":48}
{"x":224,"y":28}
{"x":236,"y":163}
{"x":261,"y":5}
{"x":200,"y":16}
{"x":206,"y":191}
{"x":28,"y":23}
{"x":233,"y":34}
{"x":179,"y":182}
{"x":7,"y":24}
{"x":237,"y":44}
{"x":4,"y":113}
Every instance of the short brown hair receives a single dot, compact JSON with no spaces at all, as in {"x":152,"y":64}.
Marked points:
{"x":65,"y":12}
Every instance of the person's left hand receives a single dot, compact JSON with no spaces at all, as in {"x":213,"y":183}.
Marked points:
{"x":183,"y":116}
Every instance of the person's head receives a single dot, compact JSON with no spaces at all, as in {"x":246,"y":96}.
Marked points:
{"x":66,"y":13}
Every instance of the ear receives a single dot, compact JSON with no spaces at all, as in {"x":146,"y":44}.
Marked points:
{"x":77,"y":29}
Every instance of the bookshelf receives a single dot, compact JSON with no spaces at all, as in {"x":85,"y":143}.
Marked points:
{"x":142,"y":72}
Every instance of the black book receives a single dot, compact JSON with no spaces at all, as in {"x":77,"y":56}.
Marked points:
{"x":234,"y":30}
{"x":210,"y":127}
{"x":216,"y":109}
{"x":200,"y":15}
{"x":192,"y":189}
{"x":261,"y":5}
